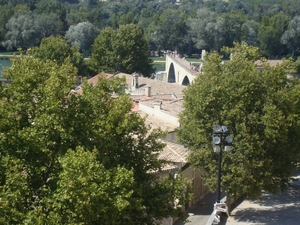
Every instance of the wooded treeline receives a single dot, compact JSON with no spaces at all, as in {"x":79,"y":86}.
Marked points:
{"x":187,"y":26}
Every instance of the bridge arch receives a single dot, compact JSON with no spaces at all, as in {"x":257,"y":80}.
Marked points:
{"x":179,"y":71}
{"x":185,"y":81}
{"x":171,"y":74}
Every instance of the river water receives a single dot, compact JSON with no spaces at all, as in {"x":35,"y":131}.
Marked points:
{"x":4,"y":62}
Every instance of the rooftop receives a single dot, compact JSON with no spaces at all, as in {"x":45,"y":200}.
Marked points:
{"x":170,"y":106}
{"x":94,"y":81}
{"x":272,"y":63}
{"x":155,"y":122}
{"x":174,"y":153}
{"x":159,"y":89}
{"x":170,"y":96}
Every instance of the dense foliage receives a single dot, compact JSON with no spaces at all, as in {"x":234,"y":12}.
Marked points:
{"x":124,"y":49}
{"x":82,"y":36}
{"x":187,"y":26}
{"x":26,"y":29}
{"x":68,"y":158}
{"x":57,"y":49}
{"x":260,"y":107}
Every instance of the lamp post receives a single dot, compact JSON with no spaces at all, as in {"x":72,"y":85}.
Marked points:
{"x":222,"y":141}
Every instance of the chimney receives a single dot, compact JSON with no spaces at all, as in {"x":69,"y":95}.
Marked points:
{"x":135,"y":81}
{"x":157,"y":105}
{"x":203,"y":54}
{"x":148,"y":91}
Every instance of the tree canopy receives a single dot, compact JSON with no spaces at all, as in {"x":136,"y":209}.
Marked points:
{"x":206,"y":30}
{"x":26,"y":30}
{"x":6,"y":12}
{"x":188,"y":27}
{"x":259,"y":107}
{"x":171,"y":31}
{"x":71,"y":158}
{"x":270,"y":31}
{"x":125,"y":49}
{"x":291,"y":36}
{"x":57,"y":49}
{"x":82,"y":36}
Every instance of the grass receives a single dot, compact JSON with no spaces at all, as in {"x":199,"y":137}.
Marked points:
{"x":10,"y":53}
{"x":161,"y":60}
{"x":155,"y":58}
{"x":193,"y":59}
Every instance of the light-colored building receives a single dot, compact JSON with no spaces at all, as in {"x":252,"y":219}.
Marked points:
{"x":161,"y":102}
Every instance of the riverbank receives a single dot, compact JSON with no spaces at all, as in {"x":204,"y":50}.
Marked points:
{"x":159,"y":65}
{"x":7,"y":57}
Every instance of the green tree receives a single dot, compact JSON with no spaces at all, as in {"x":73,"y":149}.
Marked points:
{"x":29,"y":3}
{"x":128,"y":18}
{"x":78,"y":13}
{"x":270,"y":32}
{"x":146,"y":17}
{"x":171,"y":31}
{"x":21,"y":7}
{"x":26,"y":29}
{"x":82,"y":36}
{"x":103,"y":56}
{"x":54,"y":7}
{"x":95,"y":192}
{"x":290,"y":7}
{"x":233,"y":22}
{"x":125,"y":49}
{"x":207,"y":30}
{"x":291,"y":36}
{"x":260,"y":108}
{"x":249,"y":32}
{"x":6,"y":11}
{"x":68,"y":158}
{"x":57,"y":48}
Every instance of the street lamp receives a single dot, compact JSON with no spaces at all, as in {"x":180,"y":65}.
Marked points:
{"x":222,"y":140}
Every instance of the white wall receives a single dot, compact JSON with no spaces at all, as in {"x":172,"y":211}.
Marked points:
{"x":159,"y":113}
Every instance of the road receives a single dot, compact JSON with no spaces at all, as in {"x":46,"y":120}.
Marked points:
{"x":279,"y":209}
{"x":201,"y":211}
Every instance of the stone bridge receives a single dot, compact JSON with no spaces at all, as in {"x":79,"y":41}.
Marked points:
{"x":178,"y":70}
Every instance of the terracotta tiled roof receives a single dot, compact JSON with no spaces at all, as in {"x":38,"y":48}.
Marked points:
{"x":94,"y":80}
{"x":174,"y":153}
{"x":272,"y":63}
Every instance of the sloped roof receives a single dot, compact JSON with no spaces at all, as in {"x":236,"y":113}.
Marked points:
{"x":156,"y":122}
{"x":272,"y":63}
{"x":173,"y":152}
{"x":166,"y":167}
{"x":170,"y":106}
{"x":168,"y":93}
{"x":158,"y":88}
{"x":94,"y":80}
